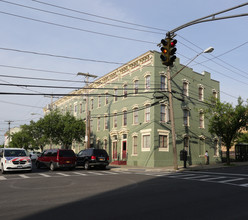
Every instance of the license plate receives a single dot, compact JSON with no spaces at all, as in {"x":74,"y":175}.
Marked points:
{"x":19,"y":167}
{"x":68,"y":161}
{"x":102,"y":159}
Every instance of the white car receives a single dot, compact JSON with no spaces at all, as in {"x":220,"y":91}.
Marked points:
{"x":14,"y":159}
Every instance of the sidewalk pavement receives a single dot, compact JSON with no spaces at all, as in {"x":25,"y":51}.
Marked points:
{"x":171,"y":168}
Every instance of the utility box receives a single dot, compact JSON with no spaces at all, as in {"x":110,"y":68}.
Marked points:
{"x":183,"y":155}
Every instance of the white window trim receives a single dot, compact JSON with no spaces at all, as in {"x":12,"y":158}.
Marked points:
{"x":133,"y":154}
{"x":143,"y":133}
{"x":164,"y":133}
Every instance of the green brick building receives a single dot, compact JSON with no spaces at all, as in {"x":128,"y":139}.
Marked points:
{"x":130,"y":113}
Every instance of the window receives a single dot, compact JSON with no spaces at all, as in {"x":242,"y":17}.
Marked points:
{"x":135,"y":145}
{"x":146,"y":141}
{"x":75,"y":108}
{"x":201,"y":97}
{"x":92,"y":104}
{"x":148,"y":82}
{"x":125,"y":91}
{"x":163,"y":113}
{"x":163,"y":82}
{"x":99,"y":101}
{"x":98,"y":124}
{"x":106,"y":99}
{"x":163,"y":141}
{"x":201,"y":120}
{"x":135,"y":116}
{"x":81,"y":108}
{"x":91,"y":125}
{"x":186,"y":88}
{"x":136,"y":86}
{"x":147,"y":113}
{"x":115,"y":95}
{"x":125,"y":118}
{"x":185,"y":117}
{"x":115,"y":120}
{"x":106,"y":122}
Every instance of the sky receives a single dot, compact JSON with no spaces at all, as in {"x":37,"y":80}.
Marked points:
{"x":47,"y":45}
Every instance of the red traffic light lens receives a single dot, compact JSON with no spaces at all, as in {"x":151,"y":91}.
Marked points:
{"x":173,"y":43}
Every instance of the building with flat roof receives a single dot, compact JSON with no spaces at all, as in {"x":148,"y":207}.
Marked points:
{"x":130,"y":118}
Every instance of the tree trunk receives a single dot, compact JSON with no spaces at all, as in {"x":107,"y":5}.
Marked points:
{"x":228,"y":155}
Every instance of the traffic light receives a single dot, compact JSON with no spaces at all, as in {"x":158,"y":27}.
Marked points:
{"x":168,"y":51}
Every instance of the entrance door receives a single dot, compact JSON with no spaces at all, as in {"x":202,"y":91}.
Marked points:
{"x":124,"y":149}
{"x":115,"y":150}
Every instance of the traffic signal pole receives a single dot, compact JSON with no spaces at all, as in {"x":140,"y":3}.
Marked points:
{"x":172,"y":119}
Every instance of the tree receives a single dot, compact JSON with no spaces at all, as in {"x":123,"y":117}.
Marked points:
{"x":21,"y":139}
{"x":226,"y":122}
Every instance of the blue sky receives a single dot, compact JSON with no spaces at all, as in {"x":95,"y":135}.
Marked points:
{"x":27,"y":29}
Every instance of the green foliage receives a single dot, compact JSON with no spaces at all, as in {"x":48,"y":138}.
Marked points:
{"x":54,"y":128}
{"x":226,"y":121}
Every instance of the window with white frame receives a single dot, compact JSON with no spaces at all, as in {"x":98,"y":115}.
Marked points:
{"x":164,"y":113}
{"x":146,"y":139}
{"x":99,"y":101}
{"x":136,"y":86}
{"x":106,"y":122}
{"x":125,"y":118}
{"x":185,"y":88}
{"x":125,"y":91}
{"x":147,"y":113}
{"x":115,"y":95}
{"x":163,"y":84}
{"x":201,"y":93}
{"x":186,"y":117}
{"x":106,"y":99}
{"x":147,"y":82}
{"x":98,"y":123}
{"x":115,"y":120}
{"x":92,"y":104}
{"x":135,"y":145}
{"x":135,"y":116}
{"x":201,"y":119}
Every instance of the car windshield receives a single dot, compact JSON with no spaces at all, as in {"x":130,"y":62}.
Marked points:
{"x":15,"y":153}
{"x":66,"y":153}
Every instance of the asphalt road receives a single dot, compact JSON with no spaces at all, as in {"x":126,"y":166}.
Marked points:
{"x":97,"y":194}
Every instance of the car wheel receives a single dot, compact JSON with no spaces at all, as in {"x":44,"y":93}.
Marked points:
{"x":86,"y":165}
{"x":2,"y":169}
{"x":52,"y":167}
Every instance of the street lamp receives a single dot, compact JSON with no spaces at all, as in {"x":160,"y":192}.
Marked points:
{"x":87,"y":133}
{"x":173,"y":130}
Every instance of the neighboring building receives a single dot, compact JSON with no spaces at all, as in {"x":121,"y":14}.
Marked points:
{"x":6,"y":135}
{"x":130,"y":113}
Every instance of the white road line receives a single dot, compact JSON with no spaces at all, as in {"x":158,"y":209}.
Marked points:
{"x":226,"y":174}
{"x":45,"y":175}
{"x":81,"y":174}
{"x":195,"y":177}
{"x":95,"y":173}
{"x":231,"y":180}
{"x":62,"y":174}
{"x":244,"y":185}
{"x":109,"y":172}
{"x":2,"y":178}
{"x":213,"y":178}
{"x":24,"y":176}
{"x":181,"y":175}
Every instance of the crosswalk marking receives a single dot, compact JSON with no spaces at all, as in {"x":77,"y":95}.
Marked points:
{"x":195,"y":177}
{"x":45,"y":175}
{"x":63,"y":174}
{"x":24,"y":176}
{"x":2,"y":178}
{"x":181,"y":175}
{"x":95,"y":173}
{"x":109,"y":172}
{"x":245,"y":185}
{"x":213,"y":178}
{"x":231,"y":180}
{"x":81,"y":174}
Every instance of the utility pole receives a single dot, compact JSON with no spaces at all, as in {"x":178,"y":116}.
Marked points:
{"x":87,"y":133}
{"x":9,"y":122}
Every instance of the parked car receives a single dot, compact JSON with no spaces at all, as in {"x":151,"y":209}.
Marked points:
{"x":14,"y":159}
{"x":93,"y":158}
{"x":56,"y":158}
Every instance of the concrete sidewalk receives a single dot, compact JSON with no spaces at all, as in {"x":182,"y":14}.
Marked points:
{"x":171,"y":168}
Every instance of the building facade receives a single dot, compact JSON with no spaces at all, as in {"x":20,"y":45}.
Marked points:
{"x":130,"y":118}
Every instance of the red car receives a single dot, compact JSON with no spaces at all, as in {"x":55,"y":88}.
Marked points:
{"x":57,"y":158}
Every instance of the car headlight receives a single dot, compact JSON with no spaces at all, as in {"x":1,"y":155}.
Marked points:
{"x":8,"y":161}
